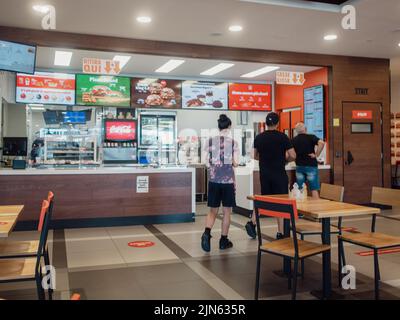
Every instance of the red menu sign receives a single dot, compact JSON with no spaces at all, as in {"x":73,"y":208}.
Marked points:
{"x":46,"y":88}
{"x":362,"y":114}
{"x":120,"y":130}
{"x":250,"y":97}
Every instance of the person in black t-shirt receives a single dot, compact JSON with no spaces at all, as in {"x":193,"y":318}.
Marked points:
{"x":273,"y":149}
{"x":308,"y":148}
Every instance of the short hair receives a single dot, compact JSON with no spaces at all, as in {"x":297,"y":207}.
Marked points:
{"x":300,"y":127}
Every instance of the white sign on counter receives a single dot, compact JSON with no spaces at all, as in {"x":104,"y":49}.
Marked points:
{"x":142,"y":184}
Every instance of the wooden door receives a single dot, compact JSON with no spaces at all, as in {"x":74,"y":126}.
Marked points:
{"x":362,"y":150}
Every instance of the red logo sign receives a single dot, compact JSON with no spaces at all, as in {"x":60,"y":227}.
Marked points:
{"x":120,"y":130}
{"x":250,"y":97}
{"x":362,"y":114}
{"x":141,"y":244}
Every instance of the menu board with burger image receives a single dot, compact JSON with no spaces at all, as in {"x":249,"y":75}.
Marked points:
{"x":204,"y":95}
{"x":92,"y":90}
{"x":45,"y":88}
{"x":250,"y":97}
{"x":156,"y":93}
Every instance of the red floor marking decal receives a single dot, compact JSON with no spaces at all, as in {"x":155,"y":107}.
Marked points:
{"x":141,"y":244}
{"x":349,"y":229}
{"x":383,"y":251}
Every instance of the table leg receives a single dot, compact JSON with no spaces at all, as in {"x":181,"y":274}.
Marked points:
{"x":326,"y":258}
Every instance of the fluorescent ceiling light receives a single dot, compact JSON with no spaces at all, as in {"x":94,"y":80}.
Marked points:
{"x":217,"y":69}
{"x":143,"y":19}
{"x":170,"y":65}
{"x":123,"y":60}
{"x":330,"y":37}
{"x":259,"y":72}
{"x":235,"y":28}
{"x":63,"y":58}
{"x":41,"y":8}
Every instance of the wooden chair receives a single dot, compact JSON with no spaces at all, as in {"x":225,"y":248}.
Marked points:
{"x":373,"y":240}
{"x":309,"y":228}
{"x":28,"y":269}
{"x":26,"y":249}
{"x":289,"y":247}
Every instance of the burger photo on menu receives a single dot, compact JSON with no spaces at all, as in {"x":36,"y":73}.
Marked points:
{"x":204,"y":95}
{"x":250,"y":97}
{"x":103,"y":90}
{"x":156,"y":93}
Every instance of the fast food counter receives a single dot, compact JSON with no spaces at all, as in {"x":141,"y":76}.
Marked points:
{"x":248,"y":183}
{"x":104,"y":196}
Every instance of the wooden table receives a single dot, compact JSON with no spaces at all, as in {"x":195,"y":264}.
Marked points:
{"x":325,"y":210}
{"x":8,"y":219}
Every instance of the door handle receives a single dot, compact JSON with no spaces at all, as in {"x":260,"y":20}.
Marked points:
{"x":350,"y":158}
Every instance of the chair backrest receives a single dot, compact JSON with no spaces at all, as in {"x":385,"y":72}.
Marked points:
{"x":43,"y":212}
{"x":385,"y":196}
{"x":332,"y":192}
{"x":278,"y":208}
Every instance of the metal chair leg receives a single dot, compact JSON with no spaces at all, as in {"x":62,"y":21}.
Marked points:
{"x":39,"y":288}
{"x":258,"y":275}
{"x":302,"y":260}
{"x":340,"y":259}
{"x":47,"y":263}
{"x":290,"y":275}
{"x":377,"y":276}
{"x":294,"y":289}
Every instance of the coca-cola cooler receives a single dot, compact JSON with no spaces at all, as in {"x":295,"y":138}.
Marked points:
{"x":120,"y":142}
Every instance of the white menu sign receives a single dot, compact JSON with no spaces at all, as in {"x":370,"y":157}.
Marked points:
{"x":142,"y":184}
{"x":204,"y":95}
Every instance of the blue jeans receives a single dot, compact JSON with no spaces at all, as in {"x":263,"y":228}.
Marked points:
{"x":309,"y":175}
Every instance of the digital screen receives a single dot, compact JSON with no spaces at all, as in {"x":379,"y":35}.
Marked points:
{"x":120,"y":130}
{"x":108,"y":91}
{"x":15,"y":146}
{"x":46,"y":88}
{"x":204,"y":95}
{"x":250,"y":97}
{"x":17,"y":57}
{"x":156,"y":93}
{"x":74,"y":117}
{"x":314,"y":111}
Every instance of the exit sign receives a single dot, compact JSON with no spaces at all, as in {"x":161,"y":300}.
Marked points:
{"x":362,"y":114}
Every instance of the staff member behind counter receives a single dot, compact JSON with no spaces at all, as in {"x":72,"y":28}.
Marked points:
{"x":273,"y":149}
{"x":308,"y":148}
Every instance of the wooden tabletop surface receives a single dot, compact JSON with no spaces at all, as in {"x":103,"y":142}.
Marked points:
{"x":322,"y":208}
{"x":8,"y":219}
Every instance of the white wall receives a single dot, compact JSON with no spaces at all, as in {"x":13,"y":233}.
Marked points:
{"x":14,"y":120}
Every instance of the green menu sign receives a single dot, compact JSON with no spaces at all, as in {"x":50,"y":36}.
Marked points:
{"x":94,"y":90}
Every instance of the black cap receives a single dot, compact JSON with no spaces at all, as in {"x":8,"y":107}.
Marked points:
{"x":272,"y":119}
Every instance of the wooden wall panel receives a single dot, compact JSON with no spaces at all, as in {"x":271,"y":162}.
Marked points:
{"x":99,"y":196}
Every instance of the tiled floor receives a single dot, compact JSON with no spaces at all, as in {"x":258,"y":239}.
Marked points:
{"x":98,"y":263}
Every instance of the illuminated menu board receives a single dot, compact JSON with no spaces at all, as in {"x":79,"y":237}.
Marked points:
{"x":250,"y":97}
{"x":314,"y":111}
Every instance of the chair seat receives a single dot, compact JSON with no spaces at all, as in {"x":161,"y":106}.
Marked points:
{"x":285,"y":247}
{"x":18,"y":248}
{"x":17,"y":269}
{"x":372,"y":239}
{"x":309,"y":227}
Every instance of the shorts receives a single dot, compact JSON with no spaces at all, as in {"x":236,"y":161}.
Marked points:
{"x":221,"y":193}
{"x":309,"y":174}
{"x":274,"y":183}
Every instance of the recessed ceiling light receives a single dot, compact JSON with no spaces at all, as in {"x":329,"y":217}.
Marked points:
{"x":259,"y":72}
{"x":62,"y":58}
{"x":143,"y":19}
{"x":217,"y":69}
{"x":330,"y":37}
{"x":235,"y":28}
{"x":41,"y":8}
{"x":123,"y":60}
{"x":170,"y":65}
{"x":399,"y":44}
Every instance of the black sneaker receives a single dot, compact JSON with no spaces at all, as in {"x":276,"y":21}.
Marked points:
{"x":225,"y":243}
{"x":251,"y":229}
{"x":279,"y":236}
{"x":205,"y":242}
